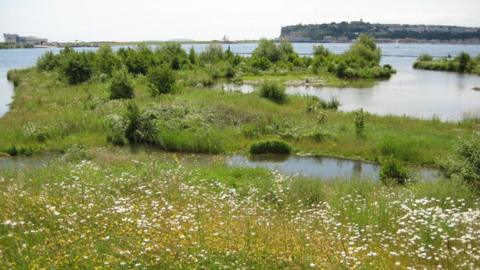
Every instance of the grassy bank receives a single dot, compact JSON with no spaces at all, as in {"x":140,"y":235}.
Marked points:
{"x":119,"y":210}
{"x":48,"y":115}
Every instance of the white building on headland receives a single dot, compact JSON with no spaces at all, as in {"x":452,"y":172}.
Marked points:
{"x":30,"y":40}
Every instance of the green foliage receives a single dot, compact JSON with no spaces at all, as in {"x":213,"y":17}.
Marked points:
{"x":401,"y":148}
{"x":192,"y":56}
{"x":161,"y":80}
{"x":48,"y":62}
{"x":267,"y":49}
{"x":273,"y":91}
{"x":394,"y":172}
{"x":362,"y":60}
{"x":425,"y":57}
{"x":359,"y":121}
{"x":466,"y":162}
{"x":77,"y":67}
{"x":121,"y":86}
{"x":315,"y":104}
{"x":140,"y":127}
{"x":107,"y":62}
{"x":213,"y":53}
{"x":463,"y":63}
{"x":271,"y":147}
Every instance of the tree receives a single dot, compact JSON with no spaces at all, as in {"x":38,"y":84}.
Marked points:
{"x":463,"y":62}
{"x":266,"y":48}
{"x":192,"y":56}
{"x":161,"y":80}
{"x":107,"y":61}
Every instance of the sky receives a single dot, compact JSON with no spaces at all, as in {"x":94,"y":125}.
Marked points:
{"x":140,"y":20}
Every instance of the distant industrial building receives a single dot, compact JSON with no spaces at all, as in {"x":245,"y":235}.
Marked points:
{"x":30,"y":40}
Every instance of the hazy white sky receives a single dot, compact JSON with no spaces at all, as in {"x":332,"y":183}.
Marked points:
{"x":126,"y":20}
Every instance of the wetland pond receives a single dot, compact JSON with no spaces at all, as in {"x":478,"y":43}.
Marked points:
{"x":324,"y":168}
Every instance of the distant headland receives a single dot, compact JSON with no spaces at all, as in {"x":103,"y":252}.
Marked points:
{"x":405,"y":33}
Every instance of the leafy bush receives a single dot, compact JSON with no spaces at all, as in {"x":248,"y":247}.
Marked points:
{"x":140,"y":128}
{"x":465,"y":163}
{"x":271,"y":147}
{"x":425,"y":57}
{"x":161,"y":80}
{"x":267,"y":49}
{"x":121,"y":86}
{"x":47,"y":62}
{"x":212,"y":54}
{"x":273,"y":91}
{"x":394,"y":172}
{"x":107,"y":62}
{"x":77,"y":68}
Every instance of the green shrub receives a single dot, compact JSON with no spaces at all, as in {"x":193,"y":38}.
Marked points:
{"x":465,"y":163}
{"x":122,"y":85}
{"x":161,"y":80}
{"x":271,"y":147}
{"x":425,"y":58}
{"x":140,"y":128}
{"x":77,"y":68}
{"x":394,"y":172}
{"x":107,"y":62}
{"x":273,"y":91}
{"x":47,"y":62}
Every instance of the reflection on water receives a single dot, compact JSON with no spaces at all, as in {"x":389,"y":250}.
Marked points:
{"x":326,"y":168}
{"x":18,"y":164}
{"x":415,"y":93}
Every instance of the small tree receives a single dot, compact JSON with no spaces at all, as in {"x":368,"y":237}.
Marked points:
{"x":121,"y":86}
{"x":463,"y":62}
{"x":161,"y":80}
{"x":192,"y":56}
{"x":359,"y":123}
{"x":107,"y":61}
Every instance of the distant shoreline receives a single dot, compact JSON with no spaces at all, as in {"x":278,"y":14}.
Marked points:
{"x":133,"y":43}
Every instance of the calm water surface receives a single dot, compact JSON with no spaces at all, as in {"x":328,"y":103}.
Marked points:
{"x":324,"y":168}
{"x":416,"y":93}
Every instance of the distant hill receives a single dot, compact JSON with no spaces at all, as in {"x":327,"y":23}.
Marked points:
{"x":345,"y":32}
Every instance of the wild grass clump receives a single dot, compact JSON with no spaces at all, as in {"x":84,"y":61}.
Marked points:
{"x":393,"y":171}
{"x":121,"y":86}
{"x":315,"y":104}
{"x":271,"y":147}
{"x":400,"y":148}
{"x":273,"y":91}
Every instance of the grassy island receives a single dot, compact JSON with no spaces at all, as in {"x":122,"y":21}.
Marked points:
{"x":463,"y":63}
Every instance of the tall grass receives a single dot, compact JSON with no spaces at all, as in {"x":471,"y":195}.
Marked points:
{"x":124,"y":210}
